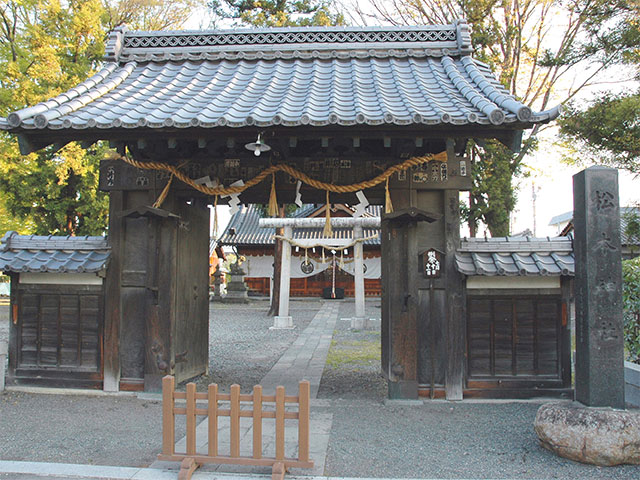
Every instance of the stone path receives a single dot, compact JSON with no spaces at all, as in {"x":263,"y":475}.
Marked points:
{"x":303,"y":360}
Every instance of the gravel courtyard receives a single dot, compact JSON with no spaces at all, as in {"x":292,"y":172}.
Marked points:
{"x":367,"y":439}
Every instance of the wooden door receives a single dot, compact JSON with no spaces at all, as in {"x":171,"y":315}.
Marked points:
{"x":515,"y":338}
{"x":58,"y":334}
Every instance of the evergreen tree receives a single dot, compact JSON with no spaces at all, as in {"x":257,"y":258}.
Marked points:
{"x":45,"y":49}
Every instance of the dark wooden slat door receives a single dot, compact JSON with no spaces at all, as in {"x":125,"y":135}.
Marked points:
{"x":59,"y":331}
{"x":514,"y":337}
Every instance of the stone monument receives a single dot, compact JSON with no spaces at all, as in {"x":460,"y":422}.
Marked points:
{"x":593,"y":432}
{"x":217,"y":285}
{"x":598,"y":289}
{"x":236,"y":288}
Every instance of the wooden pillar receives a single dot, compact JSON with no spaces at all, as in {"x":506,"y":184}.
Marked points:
{"x":111,"y":370}
{"x":156,"y":290}
{"x":359,"y":321}
{"x":455,"y":310}
{"x":283,"y":319}
{"x":399,"y":315}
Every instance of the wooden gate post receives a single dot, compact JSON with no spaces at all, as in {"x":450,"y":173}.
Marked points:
{"x":168,"y":417}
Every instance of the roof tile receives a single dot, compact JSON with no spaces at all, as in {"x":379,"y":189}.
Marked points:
{"x":316,"y":76}
{"x":51,"y":254}
{"x":516,"y":256}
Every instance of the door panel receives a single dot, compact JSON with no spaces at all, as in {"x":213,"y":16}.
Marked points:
{"x":514,"y":337}
{"x":59,"y":331}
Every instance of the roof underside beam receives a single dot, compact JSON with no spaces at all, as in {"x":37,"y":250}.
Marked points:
{"x":205,"y":139}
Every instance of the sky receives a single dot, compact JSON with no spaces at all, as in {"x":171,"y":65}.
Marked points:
{"x":551,"y":178}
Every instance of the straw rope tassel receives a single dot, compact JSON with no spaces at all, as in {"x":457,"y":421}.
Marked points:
{"x":323,"y":259}
{"x":328,"y":231}
{"x":273,"y":201}
{"x":163,"y":195}
{"x":341,"y":258}
{"x":388,"y":206}
{"x":215,"y":217}
{"x":306,"y":257}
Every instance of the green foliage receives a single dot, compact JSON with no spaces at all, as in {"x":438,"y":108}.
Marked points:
{"x":278,"y":13}
{"x":632,"y":218}
{"x":289,"y":209}
{"x":56,"y":192}
{"x":631,"y":306}
{"x":607,"y":129}
{"x":492,"y":195}
{"x":46,"y":48}
{"x":606,"y":132}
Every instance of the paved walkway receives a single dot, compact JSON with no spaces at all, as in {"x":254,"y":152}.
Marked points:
{"x":303,"y":360}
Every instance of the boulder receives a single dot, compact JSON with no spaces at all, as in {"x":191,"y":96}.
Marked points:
{"x":600,"y":436}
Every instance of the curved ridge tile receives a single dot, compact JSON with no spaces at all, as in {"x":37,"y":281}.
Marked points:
{"x":491,"y":110}
{"x":523,"y":112}
{"x":16,"y":118}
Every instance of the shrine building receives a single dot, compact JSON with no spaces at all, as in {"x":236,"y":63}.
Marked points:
{"x":314,"y":268}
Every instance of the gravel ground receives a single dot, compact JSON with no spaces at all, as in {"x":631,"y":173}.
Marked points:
{"x":242,"y":349}
{"x":368,"y":439}
{"x":105,"y":430}
{"x":442,"y":440}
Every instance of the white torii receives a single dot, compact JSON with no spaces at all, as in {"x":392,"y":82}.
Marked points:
{"x":284,"y":320}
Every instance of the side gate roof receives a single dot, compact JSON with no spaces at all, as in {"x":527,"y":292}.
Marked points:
{"x":516,"y":256}
{"x":340,"y":76}
{"x":53,"y":254}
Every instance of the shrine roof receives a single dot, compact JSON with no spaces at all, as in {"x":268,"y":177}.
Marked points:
{"x":243,"y":228}
{"x":516,"y":256}
{"x":318,"y":76}
{"x":53,"y":254}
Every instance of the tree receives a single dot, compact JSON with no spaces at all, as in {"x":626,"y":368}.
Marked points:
{"x":278,"y":13}
{"x":47,"y":48}
{"x":607,"y":129}
{"x":537,"y":47}
{"x":606,"y":132}
{"x":148,"y":14}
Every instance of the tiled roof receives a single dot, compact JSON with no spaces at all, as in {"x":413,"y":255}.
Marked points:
{"x":626,"y":214}
{"x":51,"y":254}
{"x":516,"y":256}
{"x":243,"y":228}
{"x":286,"y":76}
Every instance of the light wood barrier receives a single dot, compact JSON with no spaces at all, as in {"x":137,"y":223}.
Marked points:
{"x":233,"y":402}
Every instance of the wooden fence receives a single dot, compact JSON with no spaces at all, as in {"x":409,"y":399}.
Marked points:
{"x":194,"y":407}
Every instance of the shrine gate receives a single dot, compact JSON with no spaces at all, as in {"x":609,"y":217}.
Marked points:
{"x":199,"y":117}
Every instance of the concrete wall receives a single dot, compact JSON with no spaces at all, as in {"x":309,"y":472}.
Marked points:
{"x":632,"y":384}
